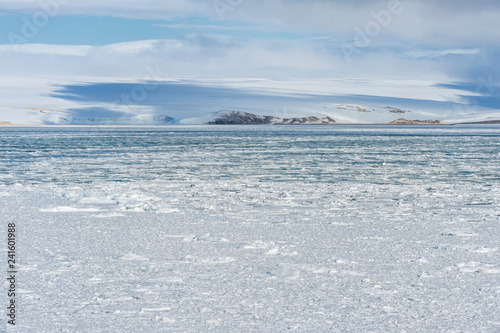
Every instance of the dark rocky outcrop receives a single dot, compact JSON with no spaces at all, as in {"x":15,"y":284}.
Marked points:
{"x":241,"y":118}
{"x":395,"y":110}
{"x":245,"y":118}
{"x":402,"y":121}
{"x":305,"y":120}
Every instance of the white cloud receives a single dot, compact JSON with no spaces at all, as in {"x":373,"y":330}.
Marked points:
{"x":46,"y":49}
{"x":218,"y":56}
{"x":208,"y":27}
{"x":138,"y":47}
{"x":444,"y":23}
{"x":405,"y":56}
{"x":442,"y":53}
{"x":148,"y":9}
{"x":412,"y":45}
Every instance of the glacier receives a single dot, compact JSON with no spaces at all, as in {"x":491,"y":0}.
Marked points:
{"x":141,"y":119}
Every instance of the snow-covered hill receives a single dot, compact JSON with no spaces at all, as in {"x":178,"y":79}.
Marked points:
{"x":245,"y":118}
{"x":199,"y":101}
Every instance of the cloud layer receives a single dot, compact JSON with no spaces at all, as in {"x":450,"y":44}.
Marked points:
{"x":438,"y":44}
{"x":445,"y":23}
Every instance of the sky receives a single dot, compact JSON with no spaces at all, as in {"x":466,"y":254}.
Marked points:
{"x":61,"y":53}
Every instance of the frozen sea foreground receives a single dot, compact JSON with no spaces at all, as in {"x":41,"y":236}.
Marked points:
{"x":253,"y":229}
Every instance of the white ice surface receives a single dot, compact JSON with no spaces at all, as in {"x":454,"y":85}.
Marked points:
{"x":261,"y":229}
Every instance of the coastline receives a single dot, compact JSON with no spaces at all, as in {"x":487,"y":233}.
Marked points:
{"x":494,"y":122}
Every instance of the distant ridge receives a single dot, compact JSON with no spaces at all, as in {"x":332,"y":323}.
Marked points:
{"x":402,"y":121}
{"x":245,"y":118}
{"x":487,"y":122}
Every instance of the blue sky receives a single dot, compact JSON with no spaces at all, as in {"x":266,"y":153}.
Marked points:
{"x":86,"y":30}
{"x":102,"y":30}
{"x":452,"y":45}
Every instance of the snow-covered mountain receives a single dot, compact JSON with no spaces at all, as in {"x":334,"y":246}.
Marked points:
{"x":341,"y":115}
{"x":245,"y":118}
{"x":199,"y":101}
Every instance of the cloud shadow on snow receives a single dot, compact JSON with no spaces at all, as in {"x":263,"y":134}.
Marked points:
{"x":182,"y":100}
